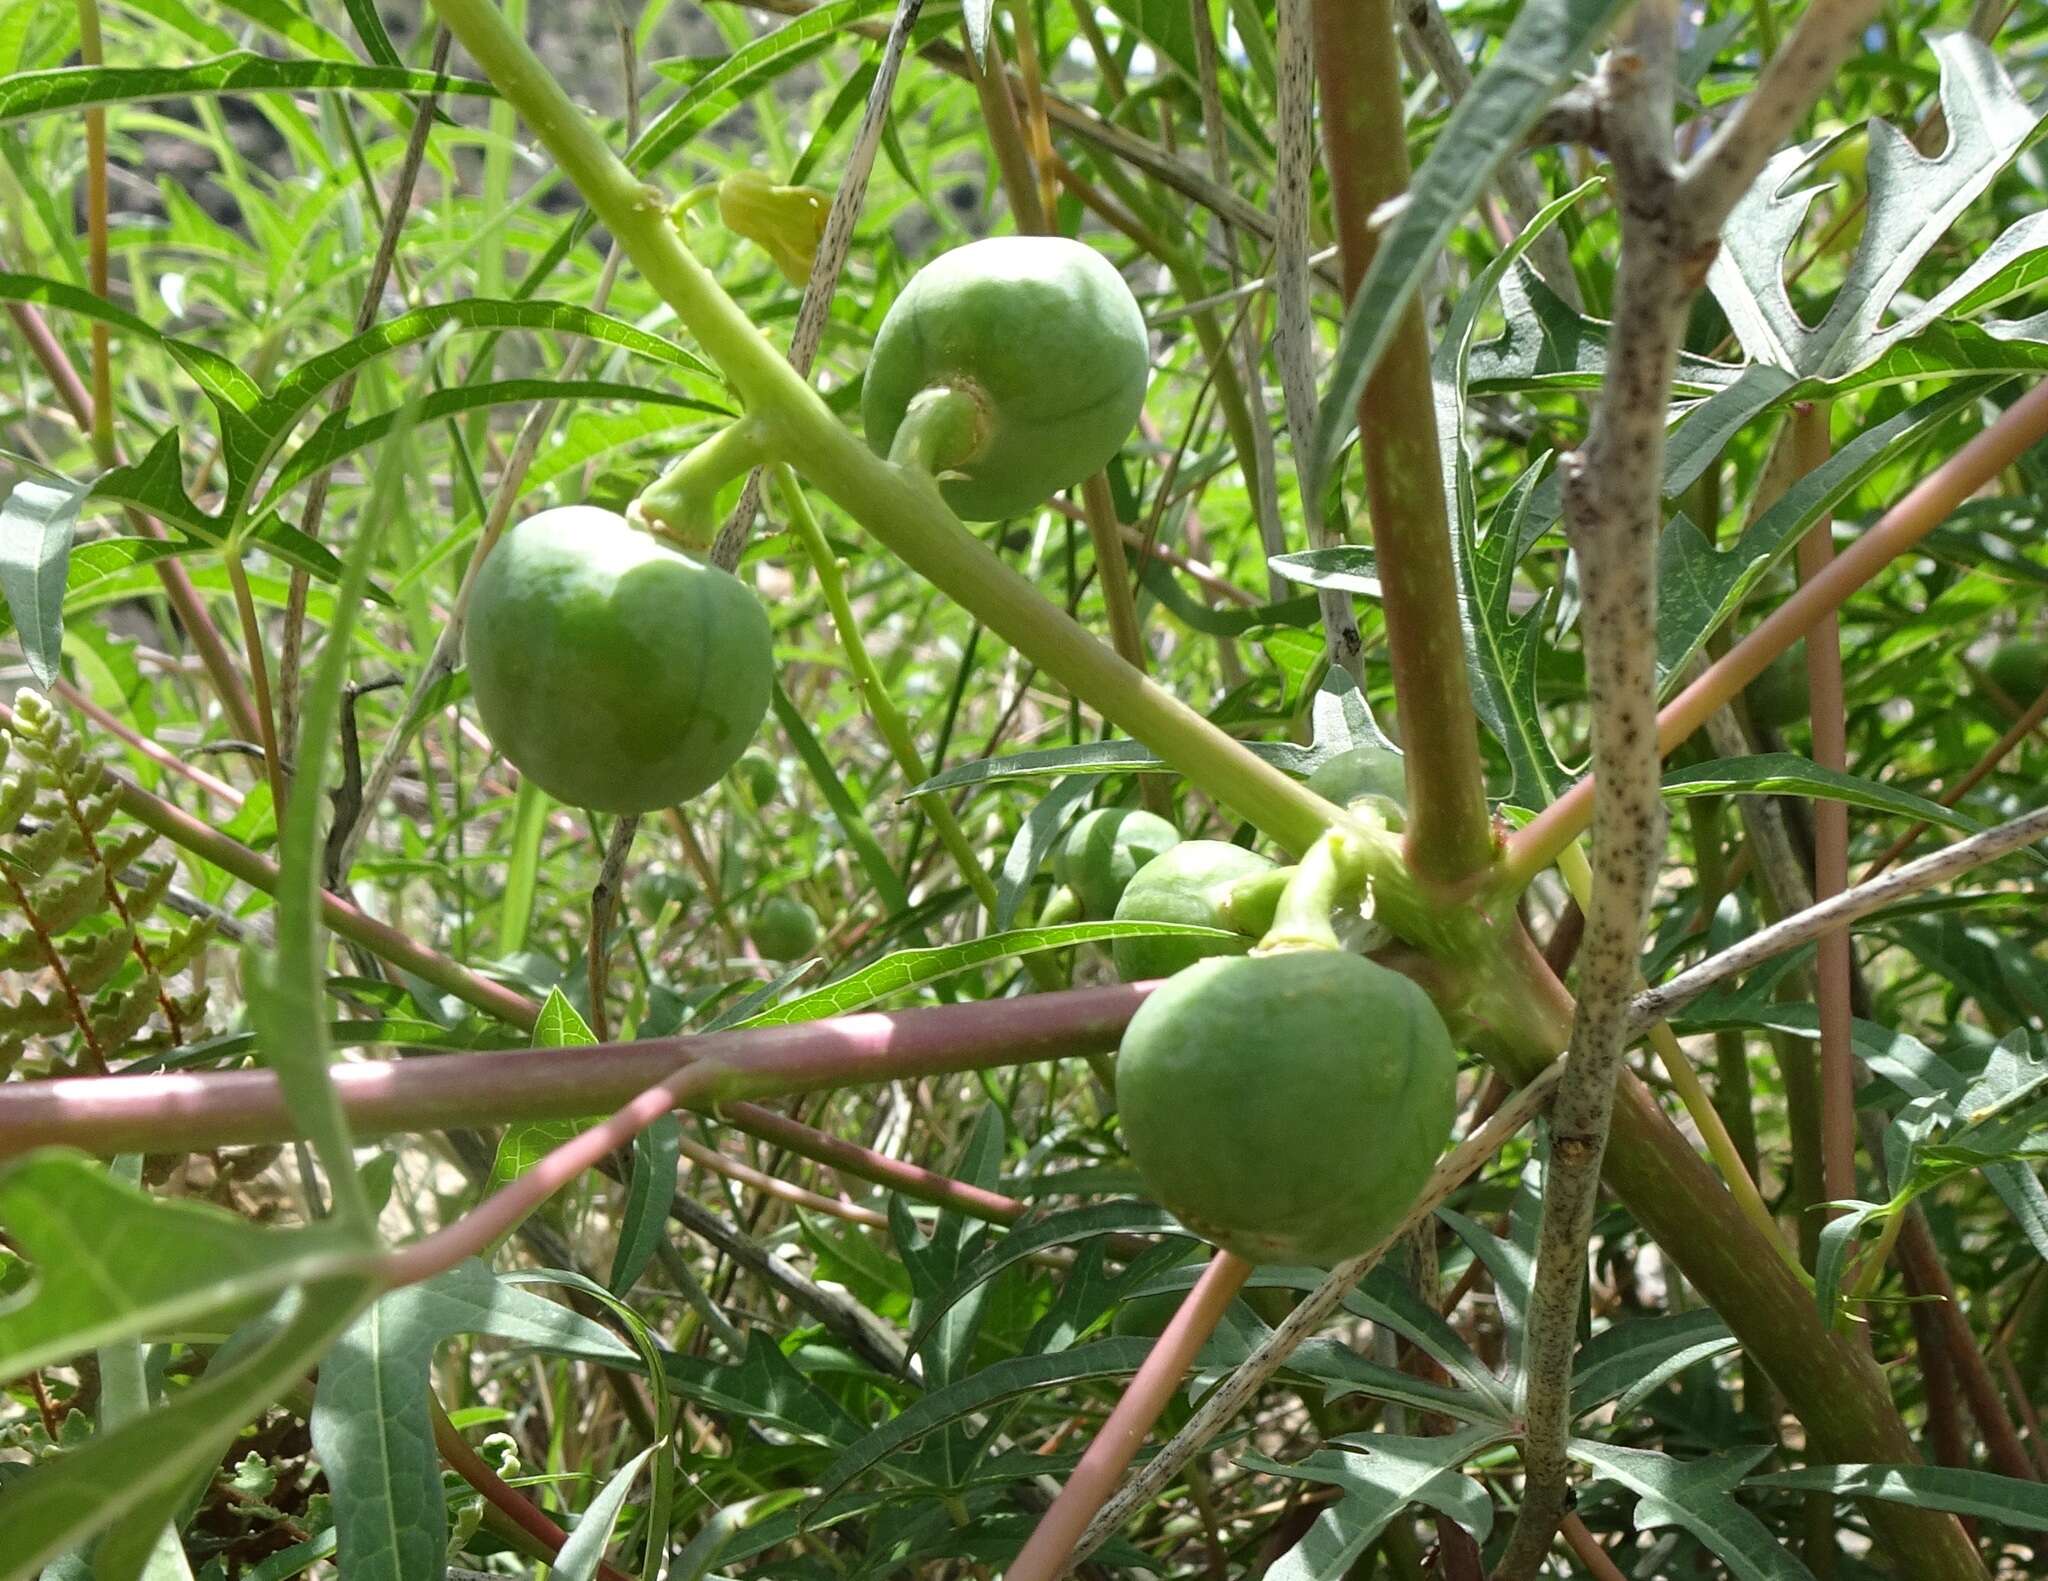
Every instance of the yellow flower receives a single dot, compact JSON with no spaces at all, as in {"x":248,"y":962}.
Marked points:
{"x":788,"y":221}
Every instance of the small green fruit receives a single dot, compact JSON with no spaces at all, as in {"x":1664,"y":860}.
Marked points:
{"x":1044,"y":336}
{"x":2019,"y":668}
{"x":1190,"y":884}
{"x":655,"y":888}
{"x":1780,"y":696}
{"x":1287,"y":1107}
{"x":1105,"y":849}
{"x":784,"y":928}
{"x":614,"y":672}
{"x":1367,"y":773}
{"x":763,"y":782}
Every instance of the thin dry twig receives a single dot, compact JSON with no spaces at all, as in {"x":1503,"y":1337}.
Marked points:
{"x":1838,"y":911}
{"x":1612,"y":487}
{"x":604,"y":910}
{"x":1294,"y":341}
{"x":816,"y":306}
{"x":1519,"y":188}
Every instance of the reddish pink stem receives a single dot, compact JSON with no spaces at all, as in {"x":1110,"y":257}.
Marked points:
{"x":769,"y":1185}
{"x":1830,"y":833}
{"x":855,"y":1049}
{"x":168,"y":761}
{"x":1905,"y":524}
{"x":182,"y":1111}
{"x":199,"y":626}
{"x":1116,"y":1443}
{"x":501,"y":1213}
{"x":912,"y":1180}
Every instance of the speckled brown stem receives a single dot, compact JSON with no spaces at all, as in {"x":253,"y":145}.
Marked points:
{"x":1613,"y":505}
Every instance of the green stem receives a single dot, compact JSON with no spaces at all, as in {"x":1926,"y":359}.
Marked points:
{"x":681,"y":503}
{"x":1879,"y":1255}
{"x":1249,"y":905}
{"x":1113,"y":574}
{"x":874,"y":691}
{"x":944,"y":427}
{"x":1006,"y":137}
{"x":905,"y":513}
{"x":1332,"y":873}
{"x":1720,"y":1146}
{"x":259,"y":671}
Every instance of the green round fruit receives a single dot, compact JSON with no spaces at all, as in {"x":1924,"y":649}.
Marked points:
{"x":1287,"y":1107}
{"x":1044,"y":337}
{"x":614,"y":672}
{"x":1105,"y":849}
{"x":1367,"y":773}
{"x":784,"y":928}
{"x":656,"y":887}
{"x":763,"y":782}
{"x":1780,"y":696}
{"x":1186,"y":884}
{"x":2018,"y":667}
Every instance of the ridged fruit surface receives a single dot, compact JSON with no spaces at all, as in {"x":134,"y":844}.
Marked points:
{"x":1287,"y":1107}
{"x":1183,"y":885}
{"x":615,"y":672}
{"x":1046,"y":335}
{"x":1105,"y":849}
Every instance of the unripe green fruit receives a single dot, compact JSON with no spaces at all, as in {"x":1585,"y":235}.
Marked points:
{"x":1781,"y":696}
{"x":1287,"y":1107}
{"x":614,"y":672}
{"x":1047,"y":340}
{"x":1365,"y":773}
{"x":2019,"y":668}
{"x":784,"y":928}
{"x":1187,"y":884}
{"x":763,"y":782}
{"x":658,"y":886}
{"x":1105,"y":849}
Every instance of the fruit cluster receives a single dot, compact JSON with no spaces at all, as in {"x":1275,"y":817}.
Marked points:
{"x":1284,"y":1097}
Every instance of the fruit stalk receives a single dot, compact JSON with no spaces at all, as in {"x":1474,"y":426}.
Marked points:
{"x":679,"y":503}
{"x":941,"y":429}
{"x":1331,"y":874}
